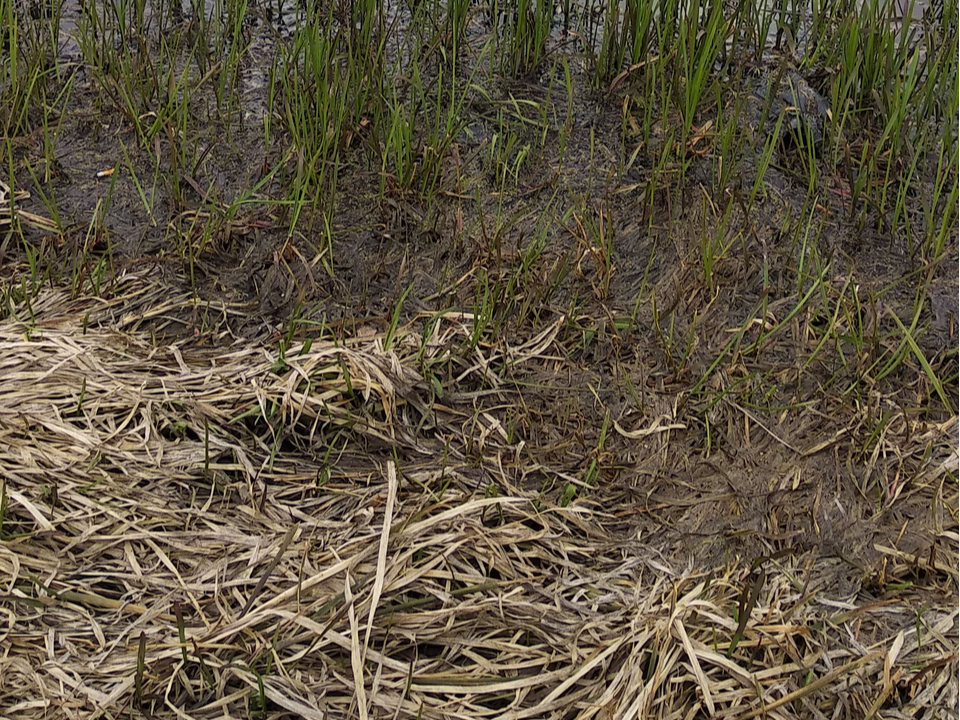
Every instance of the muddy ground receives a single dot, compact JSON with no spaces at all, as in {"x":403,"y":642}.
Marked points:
{"x":630,"y":409}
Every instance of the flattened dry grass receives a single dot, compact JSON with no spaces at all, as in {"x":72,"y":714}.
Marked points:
{"x":197,"y":532}
{"x":8,"y":200}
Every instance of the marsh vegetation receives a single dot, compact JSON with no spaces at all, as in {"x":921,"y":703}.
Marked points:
{"x":501,"y":359}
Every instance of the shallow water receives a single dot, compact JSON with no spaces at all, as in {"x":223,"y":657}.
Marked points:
{"x":282,"y":18}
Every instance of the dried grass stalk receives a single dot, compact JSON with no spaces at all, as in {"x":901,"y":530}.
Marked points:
{"x":316,"y":578}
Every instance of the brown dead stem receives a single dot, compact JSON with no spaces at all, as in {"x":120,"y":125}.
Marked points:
{"x":344,"y":543}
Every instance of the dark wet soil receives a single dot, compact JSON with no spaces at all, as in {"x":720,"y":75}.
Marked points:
{"x":737,"y":496}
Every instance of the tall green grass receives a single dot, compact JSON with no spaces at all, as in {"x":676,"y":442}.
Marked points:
{"x":424,"y":100}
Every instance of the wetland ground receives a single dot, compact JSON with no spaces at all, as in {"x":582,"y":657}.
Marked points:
{"x":478,"y":360}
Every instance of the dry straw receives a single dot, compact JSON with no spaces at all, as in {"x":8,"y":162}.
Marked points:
{"x":190,"y":531}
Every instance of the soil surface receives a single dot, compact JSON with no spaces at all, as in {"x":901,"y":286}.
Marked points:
{"x":751,"y":493}
{"x":634,"y":405}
